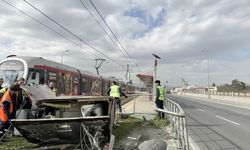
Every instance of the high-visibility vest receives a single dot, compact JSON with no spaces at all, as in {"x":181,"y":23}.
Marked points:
{"x":53,"y":92}
{"x":6,"y":97}
{"x":161,"y":92}
{"x":114,"y":92}
{"x":3,"y":90}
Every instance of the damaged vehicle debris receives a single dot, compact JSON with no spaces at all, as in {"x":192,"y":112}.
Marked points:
{"x":85,"y":121}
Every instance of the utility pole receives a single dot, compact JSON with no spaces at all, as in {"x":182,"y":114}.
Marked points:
{"x":127,"y":74}
{"x":156,"y":57}
{"x":208,"y":76}
{"x":98,"y":65}
{"x":208,"y":73}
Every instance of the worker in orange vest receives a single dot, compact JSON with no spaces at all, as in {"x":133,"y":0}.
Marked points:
{"x":6,"y":108}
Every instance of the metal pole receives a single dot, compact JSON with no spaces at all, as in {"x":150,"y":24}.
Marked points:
{"x":127,"y":74}
{"x":155,"y":73}
{"x":97,"y":66}
{"x":208,"y":82}
{"x":208,"y":79}
{"x":186,"y":134}
{"x":62,"y":57}
{"x":134,"y":104}
{"x":154,"y":78}
{"x":97,"y":71}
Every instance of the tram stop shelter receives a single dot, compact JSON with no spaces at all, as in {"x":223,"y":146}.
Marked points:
{"x":147,"y":79}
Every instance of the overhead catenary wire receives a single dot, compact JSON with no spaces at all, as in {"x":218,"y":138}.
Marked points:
{"x":67,"y":30}
{"x":46,"y":26}
{"x":123,"y":48}
{"x":39,"y":22}
{"x":92,"y":15}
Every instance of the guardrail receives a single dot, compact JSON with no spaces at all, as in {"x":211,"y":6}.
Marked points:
{"x":178,"y":122}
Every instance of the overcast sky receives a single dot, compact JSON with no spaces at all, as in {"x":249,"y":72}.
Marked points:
{"x":184,"y":33}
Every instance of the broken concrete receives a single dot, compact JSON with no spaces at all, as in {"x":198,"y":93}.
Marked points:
{"x":155,"y":144}
{"x":87,"y":120}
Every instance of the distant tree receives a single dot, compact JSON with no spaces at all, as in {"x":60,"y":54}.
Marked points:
{"x":225,"y":88}
{"x":238,"y":86}
{"x":248,"y":88}
{"x":213,"y":85}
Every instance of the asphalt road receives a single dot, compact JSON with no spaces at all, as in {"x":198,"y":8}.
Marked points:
{"x":214,"y":126}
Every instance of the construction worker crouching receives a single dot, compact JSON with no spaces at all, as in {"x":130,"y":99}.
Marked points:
{"x":6,"y":108}
{"x":116,"y":92}
{"x":160,"y":97}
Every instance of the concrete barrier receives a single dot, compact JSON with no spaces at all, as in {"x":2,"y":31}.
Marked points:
{"x":235,"y":99}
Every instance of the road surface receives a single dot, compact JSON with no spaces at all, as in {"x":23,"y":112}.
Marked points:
{"x":214,"y":126}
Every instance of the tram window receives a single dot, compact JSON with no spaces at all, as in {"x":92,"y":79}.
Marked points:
{"x":10,"y":71}
{"x":33,"y":76}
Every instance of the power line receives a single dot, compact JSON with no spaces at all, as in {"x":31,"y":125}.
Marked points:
{"x":100,"y":25}
{"x":46,"y":26}
{"x":64,"y":28}
{"x":114,"y":34}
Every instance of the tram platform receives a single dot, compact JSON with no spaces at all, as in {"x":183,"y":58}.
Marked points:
{"x":140,"y":107}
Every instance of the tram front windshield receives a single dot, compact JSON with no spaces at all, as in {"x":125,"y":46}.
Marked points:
{"x":10,"y":71}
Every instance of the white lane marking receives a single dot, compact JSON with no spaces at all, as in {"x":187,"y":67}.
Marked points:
{"x":200,"y":109}
{"x":228,"y":120}
{"x":192,"y":144}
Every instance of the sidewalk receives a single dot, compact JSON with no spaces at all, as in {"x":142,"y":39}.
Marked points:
{"x":142,"y":106}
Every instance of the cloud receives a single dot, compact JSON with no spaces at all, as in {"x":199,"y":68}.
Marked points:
{"x":145,"y":19}
{"x":176,"y":30}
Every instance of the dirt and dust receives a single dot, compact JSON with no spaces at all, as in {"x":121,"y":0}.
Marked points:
{"x":143,"y":131}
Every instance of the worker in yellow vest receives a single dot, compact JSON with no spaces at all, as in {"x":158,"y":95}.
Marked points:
{"x":116,"y":92}
{"x":160,"y":97}
{"x":52,"y":92}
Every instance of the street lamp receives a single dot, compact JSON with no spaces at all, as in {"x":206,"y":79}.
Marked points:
{"x":208,"y":78}
{"x":65,"y":51}
{"x":156,"y":57}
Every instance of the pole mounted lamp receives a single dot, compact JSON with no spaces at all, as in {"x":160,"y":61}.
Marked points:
{"x":156,"y":57}
{"x":64,"y":51}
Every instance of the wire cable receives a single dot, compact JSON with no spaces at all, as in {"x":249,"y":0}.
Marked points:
{"x":99,"y":24}
{"x":67,"y":30}
{"x":39,"y":22}
{"x":46,"y":26}
{"x":114,"y":34}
